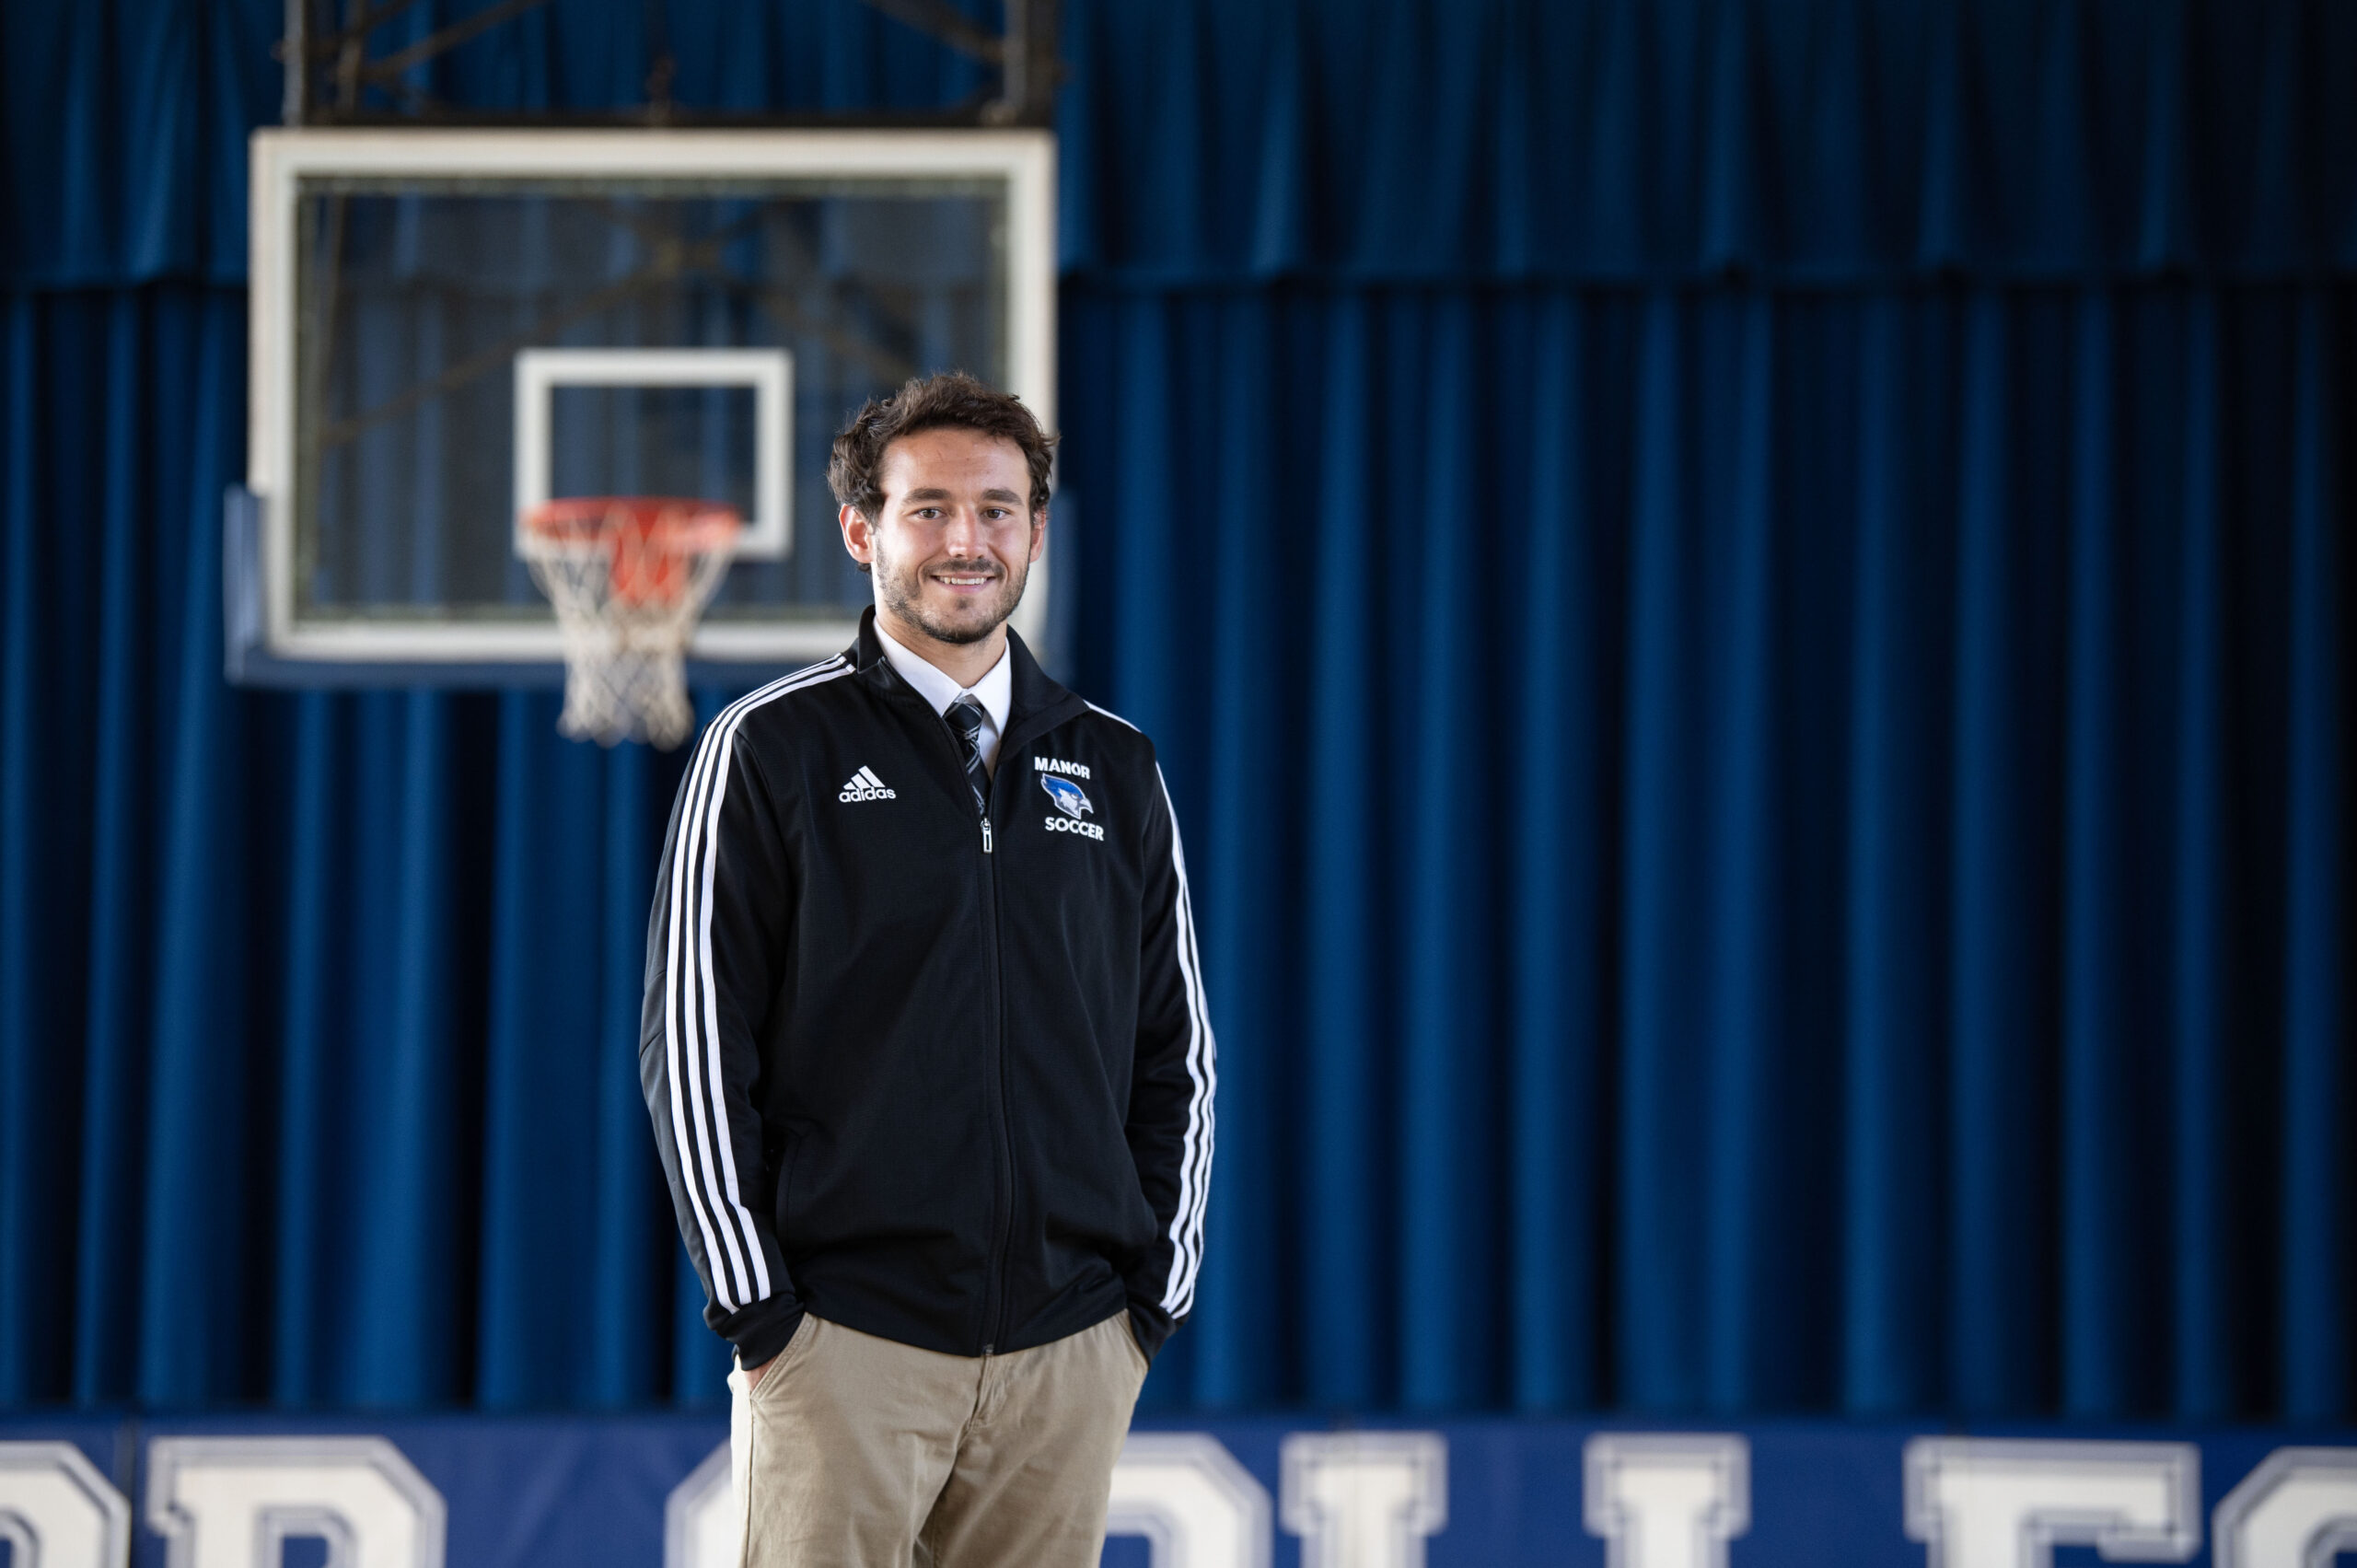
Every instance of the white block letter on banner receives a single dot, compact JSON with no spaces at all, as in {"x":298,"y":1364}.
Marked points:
{"x":1365,"y":1499}
{"x":2297,"y":1510}
{"x":1195,"y":1505}
{"x":57,"y":1511}
{"x":701,"y":1518}
{"x":230,"y":1502}
{"x":1669,"y":1500}
{"x":1998,"y":1505}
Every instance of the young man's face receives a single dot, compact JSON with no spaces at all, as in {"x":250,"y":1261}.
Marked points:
{"x":954,"y":538}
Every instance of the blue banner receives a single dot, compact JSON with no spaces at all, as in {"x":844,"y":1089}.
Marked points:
{"x":505,"y":1492}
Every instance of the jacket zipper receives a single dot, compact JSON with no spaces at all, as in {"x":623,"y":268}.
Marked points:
{"x":996,"y":1325}
{"x":990,"y":920}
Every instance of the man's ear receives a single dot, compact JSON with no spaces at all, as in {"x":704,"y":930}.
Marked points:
{"x":859,"y":534}
{"x":1038,"y":532}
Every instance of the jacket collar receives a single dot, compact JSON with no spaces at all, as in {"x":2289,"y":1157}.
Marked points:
{"x":1038,"y":703}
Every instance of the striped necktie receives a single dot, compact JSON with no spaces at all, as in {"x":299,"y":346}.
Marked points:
{"x":965,"y":717}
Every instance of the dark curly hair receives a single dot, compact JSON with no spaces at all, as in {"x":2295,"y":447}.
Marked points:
{"x":951,"y":400}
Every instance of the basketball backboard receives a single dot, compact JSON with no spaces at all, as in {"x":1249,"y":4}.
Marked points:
{"x":450,"y":326}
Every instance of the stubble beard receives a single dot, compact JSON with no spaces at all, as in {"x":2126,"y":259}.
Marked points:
{"x":903,"y":593}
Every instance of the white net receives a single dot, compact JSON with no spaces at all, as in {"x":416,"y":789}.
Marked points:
{"x":629,"y":578}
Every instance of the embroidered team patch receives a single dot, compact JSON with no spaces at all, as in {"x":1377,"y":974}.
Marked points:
{"x":1073,"y":801}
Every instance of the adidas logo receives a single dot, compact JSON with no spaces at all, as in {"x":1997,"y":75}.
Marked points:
{"x":865,"y":785}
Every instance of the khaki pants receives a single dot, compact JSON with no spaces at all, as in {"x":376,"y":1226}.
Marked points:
{"x":860,"y":1452}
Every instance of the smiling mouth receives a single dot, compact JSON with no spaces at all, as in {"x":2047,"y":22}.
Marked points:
{"x":965,"y":579}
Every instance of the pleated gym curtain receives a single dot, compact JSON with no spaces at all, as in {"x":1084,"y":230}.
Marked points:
{"x":1747,"y":608}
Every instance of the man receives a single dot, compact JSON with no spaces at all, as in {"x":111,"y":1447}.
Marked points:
{"x":925,"y":1041}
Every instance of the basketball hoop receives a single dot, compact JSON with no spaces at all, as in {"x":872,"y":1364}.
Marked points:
{"x":629,"y":576}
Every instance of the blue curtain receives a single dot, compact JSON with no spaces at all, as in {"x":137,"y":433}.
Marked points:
{"x":1749,"y":607}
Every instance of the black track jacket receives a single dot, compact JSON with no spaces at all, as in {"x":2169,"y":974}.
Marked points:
{"x":934,"y":1074}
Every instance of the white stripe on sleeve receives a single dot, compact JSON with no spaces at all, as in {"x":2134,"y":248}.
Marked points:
{"x":1202,"y":1069}
{"x":691,"y":1020}
{"x":1195,"y":1168}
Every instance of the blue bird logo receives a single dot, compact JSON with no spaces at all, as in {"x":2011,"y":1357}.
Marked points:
{"x":1066,"y":795}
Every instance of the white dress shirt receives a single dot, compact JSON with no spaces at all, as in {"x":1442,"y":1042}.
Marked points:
{"x":994,"y":691}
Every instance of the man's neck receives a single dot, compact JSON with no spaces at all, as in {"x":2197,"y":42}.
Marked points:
{"x":965,"y":663}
